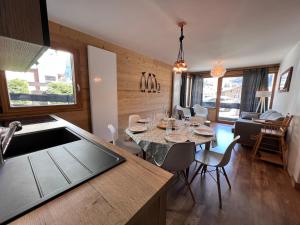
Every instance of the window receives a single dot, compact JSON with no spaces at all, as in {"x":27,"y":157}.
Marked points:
{"x":230,"y":98}
{"x":209,"y":95}
{"x":271,"y":77}
{"x":51,"y":82}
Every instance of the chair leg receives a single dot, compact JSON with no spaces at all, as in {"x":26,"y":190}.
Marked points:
{"x":225,"y":174}
{"x":187,"y":172}
{"x":188,"y":185}
{"x":283,"y":149}
{"x":196,"y":173}
{"x":144,"y":155}
{"x":257,"y":144}
{"x":204,"y":169}
{"x":219,"y":187}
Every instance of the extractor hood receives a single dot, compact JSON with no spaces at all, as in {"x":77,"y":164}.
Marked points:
{"x":24,"y":33}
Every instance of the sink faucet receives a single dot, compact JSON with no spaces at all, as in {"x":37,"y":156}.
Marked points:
{"x":6,"y":135}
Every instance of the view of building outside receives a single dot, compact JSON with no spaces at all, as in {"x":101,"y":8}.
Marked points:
{"x":230,"y":98}
{"x":50,"y":82}
{"x":209,"y":95}
{"x":230,"y":95}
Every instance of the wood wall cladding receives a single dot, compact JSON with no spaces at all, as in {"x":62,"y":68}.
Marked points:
{"x":130,"y":65}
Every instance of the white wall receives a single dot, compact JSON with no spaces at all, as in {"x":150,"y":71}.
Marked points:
{"x":103,"y":90}
{"x":289,"y":102}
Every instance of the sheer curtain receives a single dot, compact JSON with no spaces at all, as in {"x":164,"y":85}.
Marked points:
{"x":197,"y":90}
{"x":253,"y":80}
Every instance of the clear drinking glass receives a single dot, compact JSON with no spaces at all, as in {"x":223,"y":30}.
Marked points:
{"x":169,"y":129}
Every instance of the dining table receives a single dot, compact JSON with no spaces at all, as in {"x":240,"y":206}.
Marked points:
{"x":153,"y":139}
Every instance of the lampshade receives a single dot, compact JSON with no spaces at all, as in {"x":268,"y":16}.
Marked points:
{"x":263,"y":94}
{"x":180,"y":66}
{"x":218,"y":70}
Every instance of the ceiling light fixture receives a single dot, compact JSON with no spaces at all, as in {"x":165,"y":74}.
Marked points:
{"x":180,"y":65}
{"x":218,"y":70}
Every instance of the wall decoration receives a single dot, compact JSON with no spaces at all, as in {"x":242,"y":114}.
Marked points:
{"x":285,"y":80}
{"x":148,"y":83}
{"x":154,"y":83}
{"x":143,"y":82}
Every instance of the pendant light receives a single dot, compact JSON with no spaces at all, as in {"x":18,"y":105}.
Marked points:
{"x":218,"y":70}
{"x":180,"y":65}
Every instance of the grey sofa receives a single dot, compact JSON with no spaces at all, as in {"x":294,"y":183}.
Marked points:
{"x":247,"y":128}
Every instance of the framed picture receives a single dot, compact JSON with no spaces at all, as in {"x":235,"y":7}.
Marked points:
{"x":285,"y":80}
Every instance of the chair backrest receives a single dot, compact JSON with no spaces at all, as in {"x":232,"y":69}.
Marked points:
{"x":226,"y":157}
{"x":175,"y":112}
{"x":286,"y":122}
{"x":133,"y":119}
{"x":113,"y":133}
{"x":184,"y":113}
{"x":198,"y":109}
{"x":179,"y":156}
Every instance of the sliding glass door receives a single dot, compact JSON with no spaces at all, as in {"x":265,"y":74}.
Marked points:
{"x":230,"y":98}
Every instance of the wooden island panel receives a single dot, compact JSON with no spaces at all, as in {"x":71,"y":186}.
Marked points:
{"x":131,"y":193}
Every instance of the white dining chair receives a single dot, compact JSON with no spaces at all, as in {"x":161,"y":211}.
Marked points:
{"x":216,"y":160}
{"x":200,"y":111}
{"x":130,"y":146}
{"x":179,"y":158}
{"x":133,"y":119}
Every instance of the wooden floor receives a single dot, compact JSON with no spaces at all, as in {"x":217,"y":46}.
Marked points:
{"x":261,"y":194}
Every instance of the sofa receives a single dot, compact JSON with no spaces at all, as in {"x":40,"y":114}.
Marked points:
{"x":247,"y":128}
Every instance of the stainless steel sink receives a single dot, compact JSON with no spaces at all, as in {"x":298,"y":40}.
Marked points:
{"x":45,"y":164}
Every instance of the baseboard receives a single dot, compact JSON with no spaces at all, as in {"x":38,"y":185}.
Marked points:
{"x":295,"y":184}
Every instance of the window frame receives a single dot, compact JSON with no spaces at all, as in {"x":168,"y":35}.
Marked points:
{"x":29,"y":110}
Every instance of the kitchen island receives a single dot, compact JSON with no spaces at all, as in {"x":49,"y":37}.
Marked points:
{"x":134,"y":192}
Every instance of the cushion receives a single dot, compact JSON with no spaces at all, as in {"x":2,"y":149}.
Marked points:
{"x":271,"y":115}
{"x":265,"y":115}
{"x":275,"y":116}
{"x":249,"y":115}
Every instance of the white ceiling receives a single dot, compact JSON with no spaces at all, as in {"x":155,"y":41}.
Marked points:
{"x":239,"y":32}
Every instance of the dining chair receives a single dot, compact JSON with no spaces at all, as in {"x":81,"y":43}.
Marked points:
{"x":179,"y":158}
{"x":133,"y":119}
{"x":200,"y":111}
{"x":216,"y":160}
{"x":130,"y":146}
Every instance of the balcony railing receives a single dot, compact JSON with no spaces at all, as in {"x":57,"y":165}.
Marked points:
{"x":68,"y":99}
{"x":222,"y":105}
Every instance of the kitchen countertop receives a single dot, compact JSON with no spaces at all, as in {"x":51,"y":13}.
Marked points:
{"x":119,"y":196}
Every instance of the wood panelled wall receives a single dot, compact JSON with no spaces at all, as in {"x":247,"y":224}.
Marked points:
{"x":130,"y":65}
